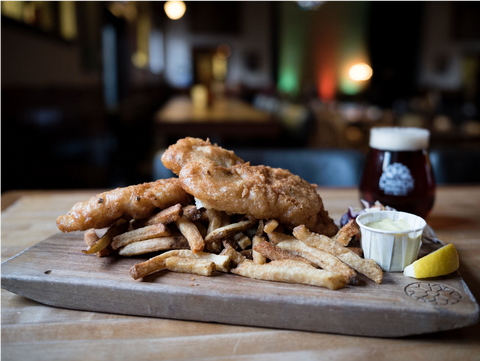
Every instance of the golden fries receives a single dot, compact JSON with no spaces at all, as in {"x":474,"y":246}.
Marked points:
{"x":223,"y":232}
{"x":166,"y":216}
{"x":357,"y":250}
{"x":191,"y":233}
{"x":222,"y":263}
{"x":291,"y":274}
{"x":91,"y":238}
{"x":153,"y":245}
{"x":270,"y":225}
{"x":235,"y":257}
{"x":118,"y":227}
{"x":323,"y":243}
{"x":188,"y":265}
{"x":346,"y":233}
{"x":325,"y":260}
{"x":140,"y":234}
{"x":277,"y":237}
{"x":214,"y":220}
{"x":275,"y":253}
{"x":152,"y":265}
{"x":242,"y":240}
{"x":258,"y":258}
{"x":192,"y":213}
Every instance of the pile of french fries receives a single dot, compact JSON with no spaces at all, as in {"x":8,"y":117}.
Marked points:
{"x":203,"y":241}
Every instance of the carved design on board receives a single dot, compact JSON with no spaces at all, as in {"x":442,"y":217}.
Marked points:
{"x":433,"y":293}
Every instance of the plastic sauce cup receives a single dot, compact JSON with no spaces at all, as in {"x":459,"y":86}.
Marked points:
{"x":392,"y":250}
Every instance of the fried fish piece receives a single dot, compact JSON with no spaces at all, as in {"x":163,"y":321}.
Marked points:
{"x":191,"y":149}
{"x":260,"y":192}
{"x":137,"y":202}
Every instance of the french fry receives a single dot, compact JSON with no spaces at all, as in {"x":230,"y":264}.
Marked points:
{"x":118,"y":227}
{"x":214,"y":220}
{"x":290,"y":274}
{"x":260,"y":227}
{"x":235,"y":257}
{"x":214,"y":247}
{"x":154,"y":245}
{"x":270,"y":225}
{"x":191,"y":233}
{"x":152,"y":265}
{"x":227,"y":231}
{"x":325,"y":260}
{"x":140,"y":234}
{"x":275,"y":253}
{"x":222,"y":263}
{"x":242,"y":240}
{"x":201,"y":228}
{"x":345,"y":234}
{"x":189,"y":265}
{"x":247,"y":253}
{"x":192,"y":213}
{"x":277,"y":237}
{"x":291,"y":263}
{"x":258,"y":258}
{"x":166,"y":216}
{"x":356,"y":250}
{"x":91,"y":238}
{"x":367,"y":267}
{"x":229,"y":242}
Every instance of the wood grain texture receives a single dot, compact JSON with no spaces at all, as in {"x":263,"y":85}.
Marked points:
{"x":54,"y":272}
{"x":33,"y":331}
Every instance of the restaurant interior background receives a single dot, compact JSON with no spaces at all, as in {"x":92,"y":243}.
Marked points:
{"x":85,"y":84}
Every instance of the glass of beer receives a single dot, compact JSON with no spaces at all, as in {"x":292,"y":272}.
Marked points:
{"x":398,"y":172}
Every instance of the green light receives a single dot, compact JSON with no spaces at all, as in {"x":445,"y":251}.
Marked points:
{"x":349,"y":86}
{"x":288,"y":81}
{"x":294,"y":37}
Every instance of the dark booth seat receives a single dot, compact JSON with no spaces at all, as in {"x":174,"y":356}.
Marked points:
{"x":324,"y":167}
{"x":456,"y":166}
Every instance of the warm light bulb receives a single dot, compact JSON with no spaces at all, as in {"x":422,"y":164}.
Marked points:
{"x":175,"y":9}
{"x":360,"y":72}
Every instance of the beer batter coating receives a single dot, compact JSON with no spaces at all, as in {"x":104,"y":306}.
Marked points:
{"x":137,"y":202}
{"x":260,"y":192}
{"x":191,"y":149}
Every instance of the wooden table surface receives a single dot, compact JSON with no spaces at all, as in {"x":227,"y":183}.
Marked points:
{"x":32,"y":331}
{"x":226,"y":118}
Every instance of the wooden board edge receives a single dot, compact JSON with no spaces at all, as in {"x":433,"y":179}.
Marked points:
{"x":163,"y":301}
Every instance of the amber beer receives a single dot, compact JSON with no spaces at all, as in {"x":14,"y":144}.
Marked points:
{"x":398,"y":172}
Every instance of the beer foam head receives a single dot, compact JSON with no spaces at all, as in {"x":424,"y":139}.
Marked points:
{"x":399,"y":139}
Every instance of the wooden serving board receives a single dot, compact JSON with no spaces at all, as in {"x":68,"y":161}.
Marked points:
{"x":56,"y":273}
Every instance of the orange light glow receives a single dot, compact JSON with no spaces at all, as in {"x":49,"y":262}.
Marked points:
{"x":360,"y":72}
{"x":327,"y":85}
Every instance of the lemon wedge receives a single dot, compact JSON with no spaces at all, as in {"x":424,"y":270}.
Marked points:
{"x":441,"y":262}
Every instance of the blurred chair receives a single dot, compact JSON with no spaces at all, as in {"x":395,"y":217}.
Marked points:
{"x":324,"y":167}
{"x":455,"y":166}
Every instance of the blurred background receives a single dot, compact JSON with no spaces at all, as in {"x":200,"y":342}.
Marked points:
{"x":92,"y":92}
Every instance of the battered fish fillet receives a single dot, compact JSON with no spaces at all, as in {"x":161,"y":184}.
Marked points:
{"x":137,"y":202}
{"x":258,"y":191}
{"x":192,"y":149}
